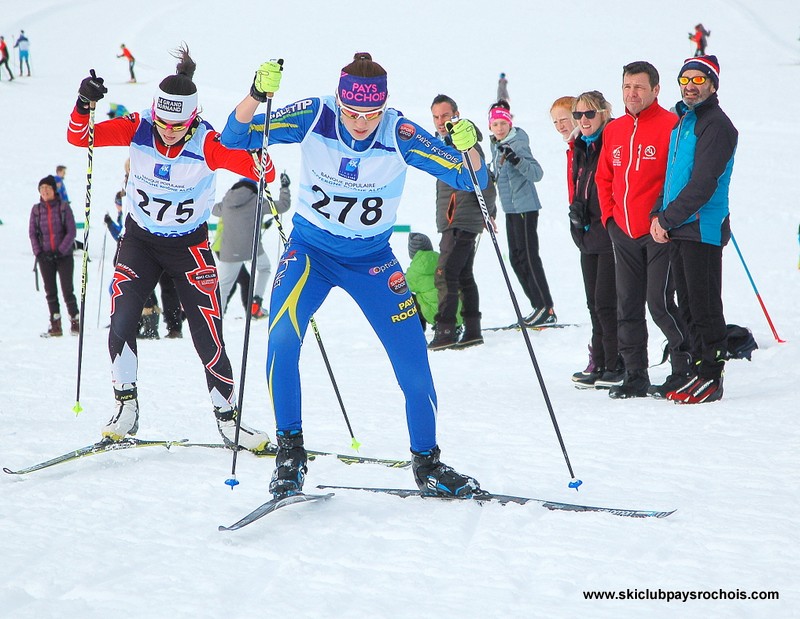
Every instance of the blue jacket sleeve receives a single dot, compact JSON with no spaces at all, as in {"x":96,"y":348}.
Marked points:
{"x":427,"y":153}
{"x":288,"y":125}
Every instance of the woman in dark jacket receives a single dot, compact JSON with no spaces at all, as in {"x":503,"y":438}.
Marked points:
{"x":592,"y":112}
{"x":52,"y":233}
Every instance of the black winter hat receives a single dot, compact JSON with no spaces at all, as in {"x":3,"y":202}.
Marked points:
{"x":418,"y":242}
{"x":49,"y":180}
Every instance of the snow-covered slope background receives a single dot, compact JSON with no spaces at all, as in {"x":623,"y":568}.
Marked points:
{"x":134,"y":534}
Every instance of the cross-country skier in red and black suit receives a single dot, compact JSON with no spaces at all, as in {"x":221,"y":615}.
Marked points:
{"x":169,"y":196}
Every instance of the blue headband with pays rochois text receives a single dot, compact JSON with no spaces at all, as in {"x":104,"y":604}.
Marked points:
{"x":362,"y":91}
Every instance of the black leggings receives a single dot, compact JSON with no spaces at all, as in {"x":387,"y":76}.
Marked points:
{"x":63,"y":268}
{"x":141,"y":259}
{"x":523,"y":248}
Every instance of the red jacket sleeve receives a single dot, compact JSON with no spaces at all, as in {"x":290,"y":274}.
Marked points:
{"x":114,"y":132}
{"x":238,"y":161}
{"x":603,"y":178}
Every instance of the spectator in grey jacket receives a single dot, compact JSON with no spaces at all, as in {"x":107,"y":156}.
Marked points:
{"x":238,"y":212}
{"x":459,"y":219}
{"x":516,"y":172}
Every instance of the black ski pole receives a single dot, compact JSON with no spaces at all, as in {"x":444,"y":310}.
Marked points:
{"x":354,"y":442}
{"x":232,"y":481}
{"x":574,"y":483}
{"x":85,"y":266}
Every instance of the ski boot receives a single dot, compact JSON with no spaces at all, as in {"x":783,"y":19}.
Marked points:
{"x":126,"y":417}
{"x":436,"y":478}
{"x":290,"y":464}
{"x":249,"y":438}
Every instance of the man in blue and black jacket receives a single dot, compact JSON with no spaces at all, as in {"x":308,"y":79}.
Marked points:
{"x":695,"y":218}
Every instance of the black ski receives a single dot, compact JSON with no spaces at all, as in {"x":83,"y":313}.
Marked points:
{"x":274,"y":504}
{"x":515,"y":327}
{"x":505,"y":498}
{"x":271,"y":451}
{"x":96,"y":448}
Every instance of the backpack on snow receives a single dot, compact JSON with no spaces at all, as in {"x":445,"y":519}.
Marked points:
{"x":741,"y":343}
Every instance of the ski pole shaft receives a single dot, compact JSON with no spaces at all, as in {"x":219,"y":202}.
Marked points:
{"x":574,"y":483}
{"x":353,"y":441}
{"x":758,"y":296}
{"x":85,"y":265}
{"x":253,"y":262}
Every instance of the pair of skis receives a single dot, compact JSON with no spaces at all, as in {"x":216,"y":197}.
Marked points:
{"x":107,"y":445}
{"x":290,"y":499}
{"x":285,"y":500}
{"x":515,"y":327}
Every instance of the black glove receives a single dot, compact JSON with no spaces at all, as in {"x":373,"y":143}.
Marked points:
{"x":107,"y":219}
{"x":578,"y":214}
{"x":48,"y":256}
{"x":509,"y":154}
{"x":91,"y":89}
{"x":284,"y":180}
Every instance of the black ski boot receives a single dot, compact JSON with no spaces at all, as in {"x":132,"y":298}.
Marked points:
{"x":445,"y":336}
{"x":436,"y":478}
{"x":472,"y":335}
{"x":290,"y":464}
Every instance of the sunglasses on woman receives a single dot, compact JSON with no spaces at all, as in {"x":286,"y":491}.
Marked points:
{"x":588,"y":113}
{"x":697,"y":79}
{"x":352,"y":114}
{"x":176,"y":127}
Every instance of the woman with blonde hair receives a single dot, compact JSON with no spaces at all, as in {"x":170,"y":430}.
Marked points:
{"x":592,"y":112}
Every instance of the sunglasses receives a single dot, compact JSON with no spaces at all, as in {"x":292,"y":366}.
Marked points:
{"x":176,"y":127}
{"x":352,"y":114}
{"x":588,"y":113}
{"x":697,"y":79}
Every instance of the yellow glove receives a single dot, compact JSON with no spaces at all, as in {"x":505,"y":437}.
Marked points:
{"x":267,"y":80}
{"x":463,"y":134}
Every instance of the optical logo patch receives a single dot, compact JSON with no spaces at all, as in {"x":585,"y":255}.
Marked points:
{"x":397,"y":283}
{"x":348,"y":168}
{"x":382,"y":268}
{"x":162,"y":171}
{"x":406,"y":131}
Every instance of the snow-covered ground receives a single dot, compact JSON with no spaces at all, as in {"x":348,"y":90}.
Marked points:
{"x":134,"y":534}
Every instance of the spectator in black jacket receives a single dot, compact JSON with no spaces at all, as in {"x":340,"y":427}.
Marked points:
{"x":459,"y":220}
{"x":695,"y":220}
{"x":592,"y":112}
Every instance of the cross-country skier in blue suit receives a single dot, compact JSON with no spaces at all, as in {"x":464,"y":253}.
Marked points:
{"x":355,"y":154}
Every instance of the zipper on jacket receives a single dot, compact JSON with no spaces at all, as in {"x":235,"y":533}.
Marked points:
{"x":627,"y":175}
{"x":50,"y":228}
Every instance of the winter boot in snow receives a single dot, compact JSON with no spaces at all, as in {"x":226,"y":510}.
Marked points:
{"x":148,"y":323}
{"x":249,"y":438}
{"x":55,"y":327}
{"x":256,"y":311}
{"x":445,"y":336}
{"x":436,"y":478}
{"x":634,"y":385}
{"x":290,"y":464}
{"x":126,"y":416}
{"x":74,"y":325}
{"x":698,"y":390}
{"x":472,"y":333}
{"x":612,"y":377}
{"x":541,"y":316}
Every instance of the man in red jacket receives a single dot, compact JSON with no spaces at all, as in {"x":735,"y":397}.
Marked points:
{"x":630,"y":179}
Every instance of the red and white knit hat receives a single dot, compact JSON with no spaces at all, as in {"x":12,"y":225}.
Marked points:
{"x":705,"y":64}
